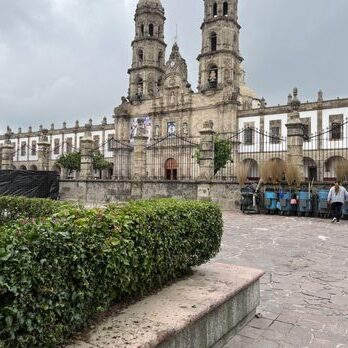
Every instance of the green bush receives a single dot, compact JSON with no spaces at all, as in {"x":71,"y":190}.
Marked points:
{"x":14,"y":208}
{"x":56,"y":272}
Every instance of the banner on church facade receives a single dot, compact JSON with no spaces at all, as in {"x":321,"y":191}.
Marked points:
{"x":138,"y":122}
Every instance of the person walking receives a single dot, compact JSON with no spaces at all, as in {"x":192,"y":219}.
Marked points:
{"x":336,"y":198}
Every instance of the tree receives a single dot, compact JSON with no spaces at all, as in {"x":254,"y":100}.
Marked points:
{"x":70,"y":161}
{"x":99,"y":162}
{"x":222,"y":152}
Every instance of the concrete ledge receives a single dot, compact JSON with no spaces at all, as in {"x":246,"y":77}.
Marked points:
{"x":202,"y":311}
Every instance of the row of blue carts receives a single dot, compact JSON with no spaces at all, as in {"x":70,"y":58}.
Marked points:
{"x":273,"y":201}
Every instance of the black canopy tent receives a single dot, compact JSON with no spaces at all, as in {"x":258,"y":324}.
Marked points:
{"x":35,"y":184}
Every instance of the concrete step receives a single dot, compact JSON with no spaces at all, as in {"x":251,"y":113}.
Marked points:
{"x":201,"y":311}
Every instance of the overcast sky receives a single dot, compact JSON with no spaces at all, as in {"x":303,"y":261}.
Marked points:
{"x":62,"y":60}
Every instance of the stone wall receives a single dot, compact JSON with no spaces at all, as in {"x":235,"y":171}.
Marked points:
{"x":96,"y":192}
{"x":99,"y":192}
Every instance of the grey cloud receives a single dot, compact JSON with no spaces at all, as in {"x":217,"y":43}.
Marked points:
{"x":62,"y":60}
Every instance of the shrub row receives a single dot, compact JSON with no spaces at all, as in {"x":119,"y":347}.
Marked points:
{"x":14,"y":208}
{"x":56,"y":272}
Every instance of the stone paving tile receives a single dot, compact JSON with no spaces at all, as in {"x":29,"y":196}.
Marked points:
{"x":240,"y":342}
{"x":250,"y":332}
{"x":304,"y":293}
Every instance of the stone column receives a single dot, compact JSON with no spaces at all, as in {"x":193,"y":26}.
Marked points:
{"x":139,"y":160}
{"x":7,"y":151}
{"x":236,"y":158}
{"x":206,"y":161}
{"x":43,"y":151}
{"x":86,"y":171}
{"x":320,"y":158}
{"x":122,"y":149}
{"x":295,"y":135}
{"x":122,"y":160}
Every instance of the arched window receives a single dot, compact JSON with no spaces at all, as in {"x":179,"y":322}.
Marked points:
{"x":213,"y":42}
{"x":213,"y":76}
{"x":140,"y":87}
{"x":159,"y":84}
{"x":151,"y":29}
{"x":141,"y":56}
{"x":225,"y":8}
{"x":171,"y":169}
{"x":215,"y":8}
{"x":160,"y":58}
{"x":142,"y":30}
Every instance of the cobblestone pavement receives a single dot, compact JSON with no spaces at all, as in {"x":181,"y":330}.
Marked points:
{"x":304,"y":293}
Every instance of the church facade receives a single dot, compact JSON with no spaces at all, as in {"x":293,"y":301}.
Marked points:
{"x":164,"y":111}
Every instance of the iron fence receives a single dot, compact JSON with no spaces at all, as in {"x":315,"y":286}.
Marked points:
{"x":326,"y":153}
{"x":251,"y":147}
{"x":172,"y":158}
{"x":123,"y":154}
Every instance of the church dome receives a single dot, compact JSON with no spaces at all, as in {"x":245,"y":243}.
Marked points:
{"x":245,"y":91}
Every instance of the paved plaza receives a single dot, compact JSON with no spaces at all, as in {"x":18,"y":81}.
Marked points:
{"x":304,"y":293}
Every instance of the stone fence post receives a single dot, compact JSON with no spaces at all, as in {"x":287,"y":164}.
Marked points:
{"x":206,"y":161}
{"x":295,"y":136}
{"x":44,"y":151}
{"x":87,"y":154}
{"x":139,"y":161}
{"x":7,"y":151}
{"x":122,"y":160}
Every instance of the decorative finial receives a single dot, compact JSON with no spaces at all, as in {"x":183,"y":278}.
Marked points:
{"x":77,"y":124}
{"x":295,"y":103}
{"x":88,"y":130}
{"x":263,"y":103}
{"x":30,"y":129}
{"x":52,"y":126}
{"x":289,"y":99}
{"x":8,"y":135}
{"x":320,"y":96}
{"x":64,"y":125}
{"x":44,"y":133}
{"x":105,"y":121}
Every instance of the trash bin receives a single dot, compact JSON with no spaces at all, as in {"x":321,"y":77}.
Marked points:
{"x":323,"y":206}
{"x":305,"y":203}
{"x":284,"y":199}
{"x":249,"y":200}
{"x":270,"y":198}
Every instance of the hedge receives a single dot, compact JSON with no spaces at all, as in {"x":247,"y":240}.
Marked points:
{"x":57,"y":272}
{"x":13,"y":208}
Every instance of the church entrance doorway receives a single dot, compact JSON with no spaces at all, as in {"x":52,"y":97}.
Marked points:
{"x":171,"y":169}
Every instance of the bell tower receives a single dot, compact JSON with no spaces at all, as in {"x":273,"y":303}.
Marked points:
{"x":219,"y":61}
{"x":149,"y":48}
